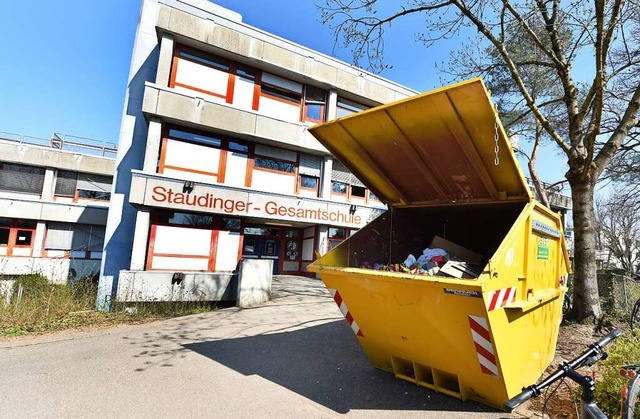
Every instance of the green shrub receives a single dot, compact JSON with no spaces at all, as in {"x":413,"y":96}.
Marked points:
{"x":624,"y":350}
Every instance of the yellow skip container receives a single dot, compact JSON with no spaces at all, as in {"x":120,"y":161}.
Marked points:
{"x":442,"y":163}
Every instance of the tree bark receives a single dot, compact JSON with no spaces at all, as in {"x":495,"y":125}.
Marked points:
{"x":586,"y":304}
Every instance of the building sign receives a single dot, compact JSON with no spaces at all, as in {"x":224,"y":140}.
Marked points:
{"x":238,"y":202}
{"x":543,"y":248}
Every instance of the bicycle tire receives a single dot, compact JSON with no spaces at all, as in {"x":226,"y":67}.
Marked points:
{"x":634,"y":320}
{"x":631,"y":407}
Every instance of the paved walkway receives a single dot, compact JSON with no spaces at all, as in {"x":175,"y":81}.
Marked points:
{"x":294,"y":357}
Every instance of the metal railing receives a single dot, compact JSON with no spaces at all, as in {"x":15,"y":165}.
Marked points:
{"x":66,"y":142}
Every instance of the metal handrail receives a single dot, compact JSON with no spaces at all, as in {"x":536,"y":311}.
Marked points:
{"x":60,"y":141}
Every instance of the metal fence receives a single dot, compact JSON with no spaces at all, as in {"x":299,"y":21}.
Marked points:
{"x":618,"y":293}
{"x":66,"y":142}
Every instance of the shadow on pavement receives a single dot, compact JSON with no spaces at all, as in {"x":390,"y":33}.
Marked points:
{"x":325,"y":364}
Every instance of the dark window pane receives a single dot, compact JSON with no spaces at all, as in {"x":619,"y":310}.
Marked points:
{"x":286,"y":95}
{"x":231,"y":223}
{"x":243,"y":148}
{"x":186,"y":219}
{"x":246,"y":73}
{"x":66,"y":183}
{"x":193,"y":137}
{"x":272,"y":164}
{"x":358,"y":191}
{"x":4,"y":236}
{"x":26,"y":224}
{"x":24,"y":238}
{"x":19,"y":178}
{"x":262,"y":231}
{"x":292,"y":233}
{"x":102,"y":196}
{"x":337,"y":232}
{"x":308,"y":182}
{"x":314,"y":94}
{"x":206,"y":59}
{"x":339,"y":187}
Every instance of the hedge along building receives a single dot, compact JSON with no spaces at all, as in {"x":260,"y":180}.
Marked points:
{"x":215,"y":160}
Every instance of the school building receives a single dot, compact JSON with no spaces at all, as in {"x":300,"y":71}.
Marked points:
{"x":215,"y":162}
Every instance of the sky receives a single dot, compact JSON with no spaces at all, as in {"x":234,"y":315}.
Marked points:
{"x":66,"y":62}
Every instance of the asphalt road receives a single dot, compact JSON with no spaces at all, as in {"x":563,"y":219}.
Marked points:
{"x":294,"y":357}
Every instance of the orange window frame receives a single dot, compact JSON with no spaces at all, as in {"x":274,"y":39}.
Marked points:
{"x":13,"y":236}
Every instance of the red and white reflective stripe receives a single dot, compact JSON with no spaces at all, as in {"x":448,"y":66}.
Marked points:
{"x":345,"y":312}
{"x":483,"y":344}
{"x":499,"y":298}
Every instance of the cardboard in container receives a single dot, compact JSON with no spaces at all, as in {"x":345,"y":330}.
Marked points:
{"x":456,"y":251}
{"x":461,"y":270}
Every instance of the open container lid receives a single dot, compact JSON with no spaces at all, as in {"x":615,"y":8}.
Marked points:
{"x":437,"y":148}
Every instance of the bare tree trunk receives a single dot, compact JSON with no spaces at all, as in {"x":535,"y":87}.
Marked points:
{"x":586,"y":303}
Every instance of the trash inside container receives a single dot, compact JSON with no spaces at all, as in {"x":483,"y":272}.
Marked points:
{"x":481,"y":322}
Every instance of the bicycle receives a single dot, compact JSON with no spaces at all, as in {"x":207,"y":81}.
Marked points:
{"x":589,"y":409}
{"x":631,"y":391}
{"x":634,"y":320}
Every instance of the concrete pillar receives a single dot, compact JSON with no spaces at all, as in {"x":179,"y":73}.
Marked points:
{"x":140,"y":239}
{"x":154,"y":136}
{"x":48,"y":186}
{"x":38,"y":239}
{"x":165,"y":59}
{"x":332,"y":105}
{"x":254,"y":282}
{"x":325,"y":182}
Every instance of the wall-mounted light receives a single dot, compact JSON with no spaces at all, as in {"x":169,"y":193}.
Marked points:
{"x":188,"y":186}
{"x":177,"y":278}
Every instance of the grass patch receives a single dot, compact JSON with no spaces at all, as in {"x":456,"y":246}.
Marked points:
{"x":36,"y":306}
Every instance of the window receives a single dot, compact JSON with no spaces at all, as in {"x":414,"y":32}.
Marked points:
{"x":339,"y":187}
{"x":203,"y":58}
{"x":261,"y":231}
{"x":281,"y":94}
{"x":273,"y":164}
{"x":314,"y":104}
{"x":232,"y":224}
{"x":16,"y":237}
{"x":309,"y":182}
{"x":336,"y":236}
{"x":79,"y":241}
{"x":199,"y":138}
{"x":185,"y":219}
{"x":346,"y":107}
{"x":21,"y":178}
{"x":358,"y":192}
{"x":83,"y":186}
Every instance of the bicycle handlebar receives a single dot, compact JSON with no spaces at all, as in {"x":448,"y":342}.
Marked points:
{"x":595,"y":350}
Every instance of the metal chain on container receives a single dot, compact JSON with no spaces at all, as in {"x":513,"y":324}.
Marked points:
{"x":496,"y":146}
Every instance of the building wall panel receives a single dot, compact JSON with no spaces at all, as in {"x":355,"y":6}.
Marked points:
{"x":192,"y":156}
{"x":182,"y":241}
{"x":227,"y":251}
{"x":175,"y":263}
{"x":273,"y":182}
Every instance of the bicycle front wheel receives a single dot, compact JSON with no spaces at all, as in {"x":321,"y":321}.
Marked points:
{"x":631,"y":407}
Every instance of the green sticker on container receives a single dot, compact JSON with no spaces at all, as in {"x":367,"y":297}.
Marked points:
{"x":543,"y":248}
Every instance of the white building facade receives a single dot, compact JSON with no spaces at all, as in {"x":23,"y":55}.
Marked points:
{"x":215,"y":162}
{"x":54,"y":199}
